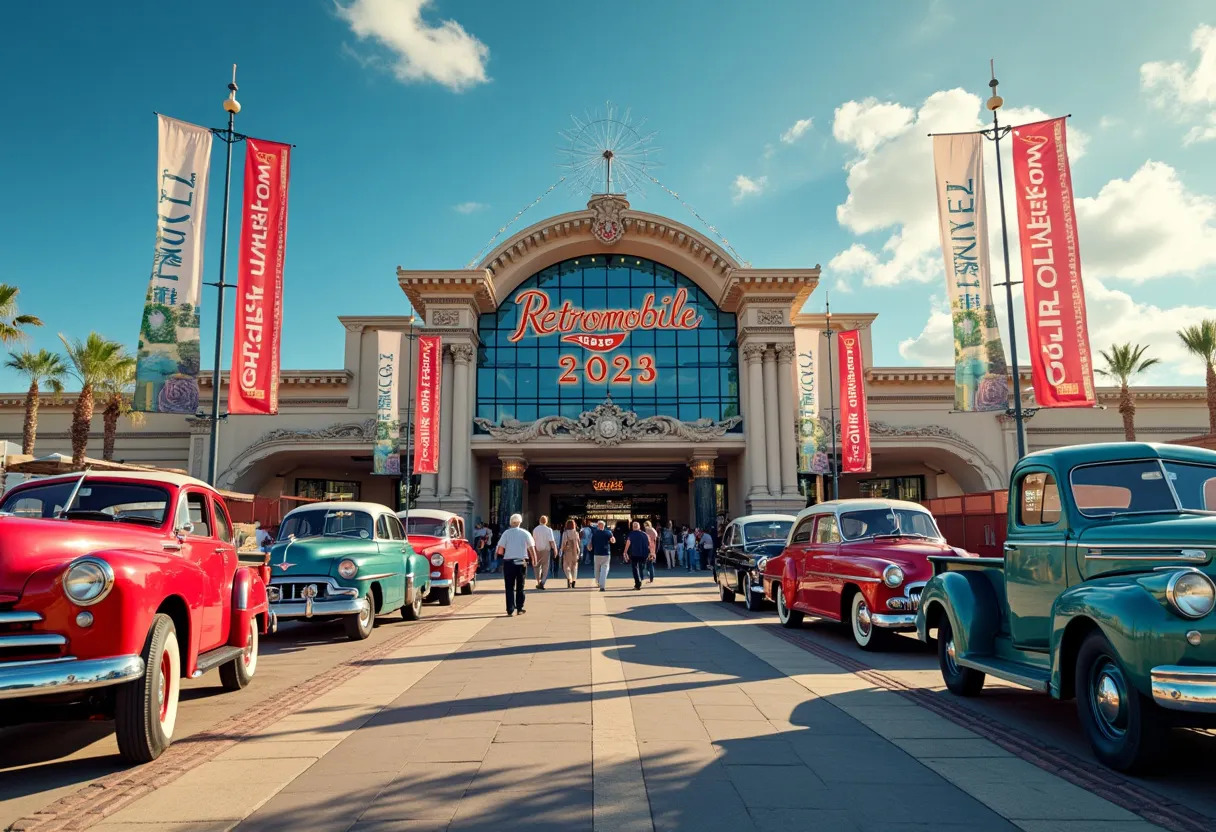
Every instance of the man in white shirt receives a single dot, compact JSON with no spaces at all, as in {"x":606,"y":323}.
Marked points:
{"x":690,"y":549}
{"x":546,"y":548}
{"x":262,"y":537}
{"x":516,"y":548}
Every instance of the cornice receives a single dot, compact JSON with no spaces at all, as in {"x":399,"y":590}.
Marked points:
{"x":424,"y":287}
{"x":840,"y":321}
{"x":292,"y":378}
{"x":784,"y":286}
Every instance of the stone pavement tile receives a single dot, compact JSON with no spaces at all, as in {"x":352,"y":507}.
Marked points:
{"x":763,"y":751}
{"x":363,"y":751}
{"x":789,"y":820}
{"x":432,"y":792}
{"x":782,"y":787}
{"x":901,"y":802}
{"x":860,"y":760}
{"x":950,"y":748}
{"x":298,"y":811}
{"x":722,"y":729}
{"x":656,"y":728}
{"x":719,"y":695}
{"x":1087,"y":826}
{"x":557,"y":732}
{"x":918,"y":726}
{"x":454,"y":750}
{"x":255,"y":750}
{"x":729,"y":712}
{"x":697,"y":808}
{"x":779,"y":707}
{"x":523,"y":714}
{"x":334,"y":782}
{"x":451,"y":727}
{"x":537,"y":811}
{"x":204,"y":826}
{"x":400,"y":826}
{"x":1039,"y":795}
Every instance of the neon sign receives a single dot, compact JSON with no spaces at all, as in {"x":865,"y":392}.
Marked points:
{"x":602,"y":330}
{"x":608,"y":485}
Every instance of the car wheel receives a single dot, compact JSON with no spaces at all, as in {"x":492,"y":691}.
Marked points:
{"x":753,"y":600}
{"x":962,"y":681}
{"x":789,"y":618}
{"x":444,"y":596}
{"x":413,"y":610}
{"x":146,"y":709}
{"x":726,"y":594}
{"x":866,"y":634}
{"x":1126,"y":730}
{"x":359,"y":626}
{"x":238,"y":673}
{"x":468,"y":588}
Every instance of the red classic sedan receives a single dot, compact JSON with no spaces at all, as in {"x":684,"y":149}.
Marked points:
{"x":863,"y":562}
{"x":440,"y":537}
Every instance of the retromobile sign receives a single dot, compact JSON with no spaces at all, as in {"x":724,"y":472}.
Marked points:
{"x":603,"y":330}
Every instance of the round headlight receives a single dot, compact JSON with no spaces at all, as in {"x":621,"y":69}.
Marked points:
{"x":348,"y":569}
{"x":760,"y":564}
{"x":436,"y":559}
{"x":892,"y":576}
{"x":87,"y":581}
{"x":1191,"y":594}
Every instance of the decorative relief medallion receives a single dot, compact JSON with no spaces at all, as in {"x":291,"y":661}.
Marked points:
{"x":445,"y":317}
{"x":770,"y":317}
{"x":608,"y":425}
{"x":607,"y":220}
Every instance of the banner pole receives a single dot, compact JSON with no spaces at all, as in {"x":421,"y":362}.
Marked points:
{"x":412,"y":379}
{"x":994,"y":104}
{"x":832,"y":396}
{"x":232,"y":106}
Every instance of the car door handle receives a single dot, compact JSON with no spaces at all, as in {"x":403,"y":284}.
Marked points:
{"x":1009,"y":547}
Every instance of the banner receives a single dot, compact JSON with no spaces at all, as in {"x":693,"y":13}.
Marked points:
{"x":254,"y":384}
{"x":1060,"y":362}
{"x":854,"y":423}
{"x":812,"y":439}
{"x":167,"y":359}
{"x":426,"y":425}
{"x":981,"y":381}
{"x":385,"y":459}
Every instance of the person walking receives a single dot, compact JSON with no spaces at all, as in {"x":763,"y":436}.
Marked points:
{"x":517,"y":548}
{"x":572,"y":548}
{"x":707,"y":549}
{"x":585,"y":537}
{"x":668,"y":544}
{"x":601,"y":549}
{"x":546,"y":549}
{"x":690,"y":549}
{"x":653,"y":534}
{"x":481,"y":544}
{"x":681,"y":555}
{"x":638,"y":552}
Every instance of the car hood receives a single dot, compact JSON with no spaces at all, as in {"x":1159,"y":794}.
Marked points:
{"x":1163,"y":535}
{"x":28,"y":544}
{"x":910,"y":555}
{"x":423,"y":542}
{"x":316,"y":555}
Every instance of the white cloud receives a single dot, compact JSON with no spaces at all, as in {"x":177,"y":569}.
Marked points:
{"x":746,"y":186}
{"x":469,"y":207}
{"x":867,"y":124}
{"x":443,"y":53}
{"x":934,"y":347}
{"x":1186,"y":91}
{"x":797,"y":130}
{"x":1107,"y":122}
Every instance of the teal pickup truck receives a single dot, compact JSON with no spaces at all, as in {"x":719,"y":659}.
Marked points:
{"x":1104,"y":593}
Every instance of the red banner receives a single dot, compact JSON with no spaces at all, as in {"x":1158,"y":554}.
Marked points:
{"x":426,"y":422}
{"x":253,"y":386}
{"x":854,"y":423}
{"x":1060,"y":361}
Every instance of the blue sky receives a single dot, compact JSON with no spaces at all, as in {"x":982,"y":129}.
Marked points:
{"x":397,"y":122}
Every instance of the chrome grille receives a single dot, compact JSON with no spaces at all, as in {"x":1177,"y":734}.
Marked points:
{"x":914,"y":595}
{"x":294,"y":591}
{"x":20,"y":642}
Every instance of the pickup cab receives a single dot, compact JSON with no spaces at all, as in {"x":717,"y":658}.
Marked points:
{"x":114,"y":587}
{"x":1104,"y":593}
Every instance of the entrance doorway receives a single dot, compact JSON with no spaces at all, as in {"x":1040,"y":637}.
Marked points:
{"x":640,"y":507}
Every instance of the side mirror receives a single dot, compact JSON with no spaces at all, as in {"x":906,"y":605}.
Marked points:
{"x":184,"y":529}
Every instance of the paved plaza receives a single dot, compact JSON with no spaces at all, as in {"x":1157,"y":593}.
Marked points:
{"x":662,"y":709}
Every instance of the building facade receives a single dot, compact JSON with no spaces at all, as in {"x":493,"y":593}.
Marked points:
{"x":611,"y":363}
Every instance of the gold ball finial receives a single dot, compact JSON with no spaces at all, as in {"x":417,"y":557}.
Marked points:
{"x":995,"y":103}
{"x":231,"y":105}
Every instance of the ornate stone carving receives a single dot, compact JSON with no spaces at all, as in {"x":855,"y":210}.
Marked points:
{"x":364,"y":431}
{"x":445,"y":317}
{"x":461,"y":353}
{"x":607,"y":218}
{"x":770,"y":317}
{"x":785,"y":353}
{"x":968,"y":450}
{"x":354,"y":327}
{"x":607,"y":425}
{"x":754,"y":352}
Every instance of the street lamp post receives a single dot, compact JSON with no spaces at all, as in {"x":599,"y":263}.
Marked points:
{"x":831,"y":398}
{"x":408,"y":472}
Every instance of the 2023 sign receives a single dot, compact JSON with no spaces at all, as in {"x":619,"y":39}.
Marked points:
{"x":597,"y":370}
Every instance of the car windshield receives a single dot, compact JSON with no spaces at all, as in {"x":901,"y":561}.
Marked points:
{"x":1143,"y":486}
{"x":887,"y":522}
{"x":96,"y":500}
{"x":320,"y":522}
{"x":425,"y":526}
{"x":766,"y":530}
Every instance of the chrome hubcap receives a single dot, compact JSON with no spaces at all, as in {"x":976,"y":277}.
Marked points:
{"x":1109,"y":699}
{"x":863,"y":620}
{"x":365,"y":614}
{"x":781,"y":610}
{"x":951,"y":658}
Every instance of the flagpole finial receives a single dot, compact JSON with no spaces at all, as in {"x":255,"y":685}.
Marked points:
{"x":231,"y":105}
{"x":995,"y":102}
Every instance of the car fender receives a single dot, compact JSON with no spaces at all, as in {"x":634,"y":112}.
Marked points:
{"x":968,"y":599}
{"x":248,"y":601}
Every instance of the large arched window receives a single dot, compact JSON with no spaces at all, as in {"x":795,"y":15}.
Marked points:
{"x":602,"y":325}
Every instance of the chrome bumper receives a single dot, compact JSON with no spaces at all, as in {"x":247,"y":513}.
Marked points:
{"x":893,"y":622}
{"x":440,"y":583}
{"x":39,"y":678}
{"x":1182,"y":688}
{"x":316,"y":609}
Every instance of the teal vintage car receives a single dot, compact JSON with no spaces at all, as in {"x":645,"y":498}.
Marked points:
{"x":1105,"y":593}
{"x":349,"y":561}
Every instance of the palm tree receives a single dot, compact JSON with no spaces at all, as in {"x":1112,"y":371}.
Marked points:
{"x":115,"y":390}
{"x":1200,"y":340}
{"x":1122,"y":362}
{"x":38,"y":367}
{"x":11,"y":322}
{"x":91,"y":361}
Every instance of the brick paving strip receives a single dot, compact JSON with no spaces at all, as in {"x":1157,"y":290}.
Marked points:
{"x":98,"y":800}
{"x":1093,"y":778}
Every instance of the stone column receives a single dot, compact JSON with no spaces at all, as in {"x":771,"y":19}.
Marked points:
{"x":461,"y":424}
{"x":511,"y":498}
{"x":445,"y":424}
{"x":785,"y":420}
{"x":706,"y":508}
{"x":772,"y":440}
{"x":754,"y":422}
{"x":354,"y":361}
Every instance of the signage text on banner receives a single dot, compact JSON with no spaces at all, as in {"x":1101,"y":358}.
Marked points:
{"x":426,"y":424}
{"x":254,"y":384}
{"x":1060,"y":361}
{"x":854,"y":422}
{"x":167,"y":360}
{"x":980,"y":373}
{"x":385,"y":459}
{"x":812,"y":439}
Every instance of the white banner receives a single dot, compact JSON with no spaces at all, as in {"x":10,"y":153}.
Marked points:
{"x":980,"y":371}
{"x":812,"y":439}
{"x":167,"y":361}
{"x":385,"y":459}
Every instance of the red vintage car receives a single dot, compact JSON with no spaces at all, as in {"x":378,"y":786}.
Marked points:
{"x":114,"y":587}
{"x":863,"y":562}
{"x":440,"y":536}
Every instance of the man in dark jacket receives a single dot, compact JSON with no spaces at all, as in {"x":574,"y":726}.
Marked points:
{"x":637,"y":552}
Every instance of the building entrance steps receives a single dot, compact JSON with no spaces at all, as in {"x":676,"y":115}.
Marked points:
{"x":654,"y":710}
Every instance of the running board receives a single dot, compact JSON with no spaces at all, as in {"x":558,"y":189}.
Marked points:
{"x":215,"y":658}
{"x":1016,"y":672}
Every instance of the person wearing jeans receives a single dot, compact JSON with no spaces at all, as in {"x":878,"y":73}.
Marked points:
{"x":517,"y":549}
{"x":690,"y":550}
{"x":638,"y":553}
{"x":601,"y":542}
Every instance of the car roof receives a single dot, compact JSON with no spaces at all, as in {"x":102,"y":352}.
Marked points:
{"x":343,"y":505}
{"x":761,"y":518}
{"x":1073,"y":455}
{"x":837,"y":506}
{"x":429,"y":513}
{"x":164,"y":478}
